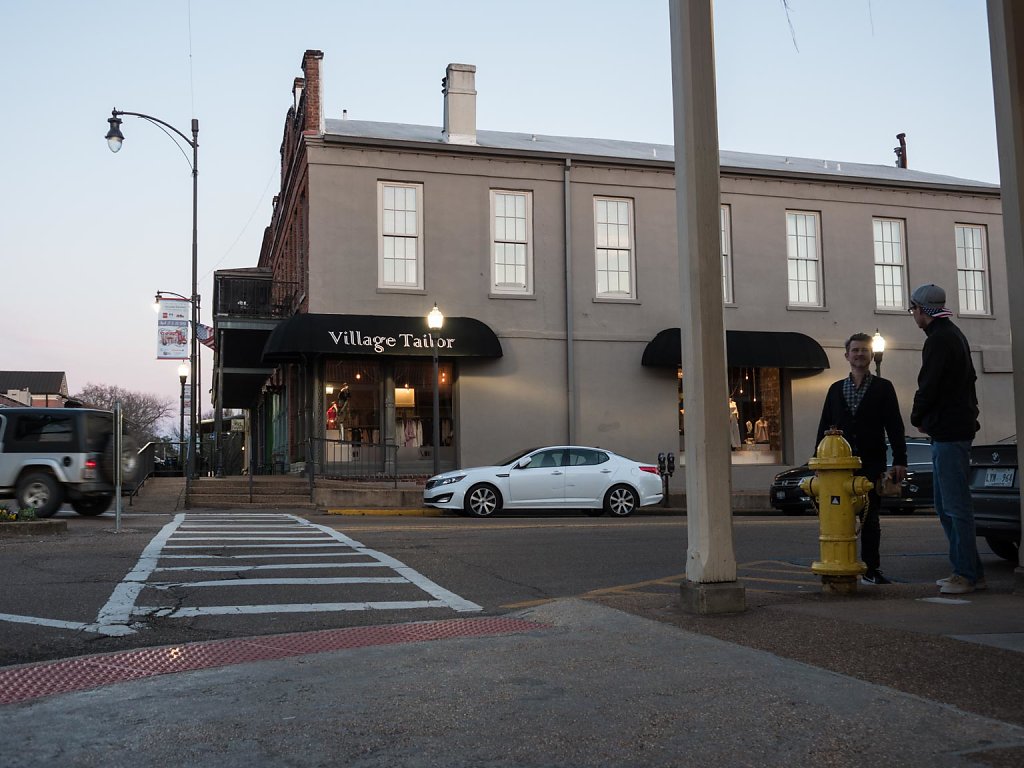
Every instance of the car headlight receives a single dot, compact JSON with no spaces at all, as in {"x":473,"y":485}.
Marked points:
{"x":450,"y":480}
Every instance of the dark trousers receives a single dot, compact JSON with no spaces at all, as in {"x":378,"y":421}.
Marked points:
{"x":871,"y":533}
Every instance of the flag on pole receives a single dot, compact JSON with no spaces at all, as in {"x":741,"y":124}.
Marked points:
{"x":205,"y":335}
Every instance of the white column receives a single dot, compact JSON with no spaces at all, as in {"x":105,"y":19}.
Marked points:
{"x":1006,"y":39}
{"x":711,"y":562}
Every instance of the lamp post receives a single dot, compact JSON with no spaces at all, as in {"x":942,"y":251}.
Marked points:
{"x":434,"y":321}
{"x":182,"y":376}
{"x":877,"y":350}
{"x":197,"y":377}
{"x":114,"y":139}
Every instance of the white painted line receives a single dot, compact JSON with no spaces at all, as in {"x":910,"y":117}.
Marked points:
{"x":119,"y":606}
{"x":260,"y":556}
{"x":253,"y":546}
{"x":229,"y":610}
{"x":285,"y":567}
{"x":278,"y":582}
{"x":246,"y":538}
{"x":944,"y":600}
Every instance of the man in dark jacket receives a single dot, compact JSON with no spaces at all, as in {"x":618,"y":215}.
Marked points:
{"x":866,"y":409}
{"x":946,"y":409}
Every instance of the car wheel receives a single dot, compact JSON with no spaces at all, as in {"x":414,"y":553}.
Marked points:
{"x":41,"y":493}
{"x":483,"y":500}
{"x":1005,"y":548}
{"x":620,"y":501}
{"x":93,"y":505}
{"x":129,"y":459}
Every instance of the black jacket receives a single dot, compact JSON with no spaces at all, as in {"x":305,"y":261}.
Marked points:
{"x":946,"y":403}
{"x":877,"y":416}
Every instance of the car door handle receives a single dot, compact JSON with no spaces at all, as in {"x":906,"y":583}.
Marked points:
{"x":606,"y":471}
{"x":557,"y":472}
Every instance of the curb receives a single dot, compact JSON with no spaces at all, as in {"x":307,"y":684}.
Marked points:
{"x":371,"y":512}
{"x":16,"y":528}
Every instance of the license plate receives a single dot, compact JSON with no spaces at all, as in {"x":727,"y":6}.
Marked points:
{"x":998,"y":478}
{"x":780,"y":494}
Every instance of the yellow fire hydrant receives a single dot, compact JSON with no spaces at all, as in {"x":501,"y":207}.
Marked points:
{"x":840,"y":497}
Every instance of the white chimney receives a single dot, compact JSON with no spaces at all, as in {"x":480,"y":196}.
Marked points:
{"x":459,"y":89}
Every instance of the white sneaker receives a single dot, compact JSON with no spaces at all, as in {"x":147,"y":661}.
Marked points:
{"x":978,"y":585}
{"x":956,"y":585}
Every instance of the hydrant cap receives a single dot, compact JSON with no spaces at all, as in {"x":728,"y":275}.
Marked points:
{"x":834,"y":453}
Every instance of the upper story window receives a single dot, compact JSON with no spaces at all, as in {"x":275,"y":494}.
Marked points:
{"x":972,"y":269}
{"x":511,"y":242}
{"x":400,"y":239}
{"x":890,"y":264}
{"x":613,"y":239}
{"x":803,"y":255}
{"x":726,"y":238}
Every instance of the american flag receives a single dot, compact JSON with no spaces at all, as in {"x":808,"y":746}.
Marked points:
{"x":205,"y":335}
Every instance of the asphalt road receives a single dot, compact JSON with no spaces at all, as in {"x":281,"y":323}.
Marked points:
{"x":217,"y":576}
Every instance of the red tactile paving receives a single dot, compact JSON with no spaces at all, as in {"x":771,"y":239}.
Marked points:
{"x":68,"y":675}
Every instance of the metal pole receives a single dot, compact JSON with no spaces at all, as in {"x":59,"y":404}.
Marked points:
{"x":118,"y":423}
{"x":193,"y":425}
{"x":218,"y":417}
{"x":181,"y":428}
{"x":437,"y":409}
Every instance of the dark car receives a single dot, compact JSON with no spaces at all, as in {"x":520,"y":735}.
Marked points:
{"x":787,"y":497}
{"x":995,"y":491}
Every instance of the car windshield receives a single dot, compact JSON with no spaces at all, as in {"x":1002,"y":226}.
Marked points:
{"x":514,"y":457}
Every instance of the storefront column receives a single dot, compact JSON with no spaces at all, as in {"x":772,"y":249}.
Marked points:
{"x":711,"y":585}
{"x":388,"y":434}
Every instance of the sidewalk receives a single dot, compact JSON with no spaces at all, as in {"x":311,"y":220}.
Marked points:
{"x":878,"y":679}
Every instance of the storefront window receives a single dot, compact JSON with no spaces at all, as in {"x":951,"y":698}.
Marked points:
{"x":755,"y":415}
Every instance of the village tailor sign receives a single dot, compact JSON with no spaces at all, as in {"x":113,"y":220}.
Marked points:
{"x":310,"y":335}
{"x":380,"y":344}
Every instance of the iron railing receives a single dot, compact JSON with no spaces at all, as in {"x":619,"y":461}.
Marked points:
{"x":253,"y":297}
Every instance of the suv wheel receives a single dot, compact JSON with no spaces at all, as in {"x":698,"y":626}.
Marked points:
{"x":93,"y":505}
{"x":40,"y":492}
{"x":1005,"y":548}
{"x":129,"y":459}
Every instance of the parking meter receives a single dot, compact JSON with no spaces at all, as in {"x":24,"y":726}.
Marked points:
{"x":671,"y":463}
{"x":661,"y":463}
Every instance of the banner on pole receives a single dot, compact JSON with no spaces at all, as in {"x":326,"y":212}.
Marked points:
{"x":172,"y":330}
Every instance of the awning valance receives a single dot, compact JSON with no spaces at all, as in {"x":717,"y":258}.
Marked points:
{"x":754,"y":349}
{"x":323,"y":334}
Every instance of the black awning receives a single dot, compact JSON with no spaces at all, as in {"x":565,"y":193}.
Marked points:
{"x":372,"y":335}
{"x":753,"y":349}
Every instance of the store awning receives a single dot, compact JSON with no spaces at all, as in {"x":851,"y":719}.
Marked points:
{"x":372,"y":335}
{"x":753,"y":349}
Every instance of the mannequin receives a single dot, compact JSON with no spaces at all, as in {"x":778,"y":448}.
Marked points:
{"x":761,"y":430}
{"x":734,"y":425}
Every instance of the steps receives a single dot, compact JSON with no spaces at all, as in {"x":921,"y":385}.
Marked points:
{"x":268,"y":492}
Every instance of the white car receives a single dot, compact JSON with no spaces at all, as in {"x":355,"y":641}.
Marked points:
{"x":555,"y":477}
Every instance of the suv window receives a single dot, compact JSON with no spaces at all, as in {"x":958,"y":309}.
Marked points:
{"x":45,"y":431}
{"x":98,"y":428}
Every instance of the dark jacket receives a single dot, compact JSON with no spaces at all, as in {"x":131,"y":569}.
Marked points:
{"x":946,"y":403}
{"x":877,"y":416}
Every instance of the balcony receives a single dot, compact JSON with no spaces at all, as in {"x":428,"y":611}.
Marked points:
{"x":253,"y":297}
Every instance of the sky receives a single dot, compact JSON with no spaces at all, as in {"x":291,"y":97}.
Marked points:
{"x":87,"y":237}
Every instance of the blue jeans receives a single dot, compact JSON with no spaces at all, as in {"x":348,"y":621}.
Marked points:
{"x":950,"y":466}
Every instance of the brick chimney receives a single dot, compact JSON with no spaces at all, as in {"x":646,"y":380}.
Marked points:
{"x":459,"y":89}
{"x":313,"y":120}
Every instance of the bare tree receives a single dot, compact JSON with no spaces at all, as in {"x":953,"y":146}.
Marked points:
{"x":143,"y":411}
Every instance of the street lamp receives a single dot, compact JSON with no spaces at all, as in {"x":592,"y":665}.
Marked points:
{"x":182,"y":376}
{"x":115,"y":139}
{"x":877,"y":350}
{"x":197,"y":378}
{"x":434,"y":321}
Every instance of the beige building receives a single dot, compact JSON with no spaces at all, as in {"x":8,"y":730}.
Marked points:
{"x":554,"y":260}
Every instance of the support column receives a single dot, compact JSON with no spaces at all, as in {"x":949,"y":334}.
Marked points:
{"x":1006,"y":40}
{"x":711,"y":585}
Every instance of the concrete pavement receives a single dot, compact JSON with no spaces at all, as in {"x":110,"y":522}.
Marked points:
{"x":877,"y":679}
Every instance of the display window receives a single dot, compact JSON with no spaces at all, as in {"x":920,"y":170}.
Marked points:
{"x":755,"y":415}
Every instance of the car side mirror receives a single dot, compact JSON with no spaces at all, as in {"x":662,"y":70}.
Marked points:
{"x":524,"y":462}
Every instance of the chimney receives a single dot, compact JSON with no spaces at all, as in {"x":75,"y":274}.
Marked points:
{"x":901,"y":150}
{"x":459,"y":89}
{"x":313,"y":121}
{"x":297,"y":88}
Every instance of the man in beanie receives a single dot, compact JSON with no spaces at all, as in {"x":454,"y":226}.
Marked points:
{"x":866,"y":409}
{"x":946,"y":409}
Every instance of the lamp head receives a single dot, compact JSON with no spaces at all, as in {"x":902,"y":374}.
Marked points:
{"x":114,"y":136}
{"x":182,"y":372}
{"x":877,"y":345}
{"x":435,"y":319}
{"x":156,"y":302}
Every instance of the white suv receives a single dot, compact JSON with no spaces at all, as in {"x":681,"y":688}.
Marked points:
{"x":52,"y":455}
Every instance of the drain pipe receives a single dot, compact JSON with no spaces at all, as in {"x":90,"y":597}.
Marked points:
{"x":570,"y":363}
